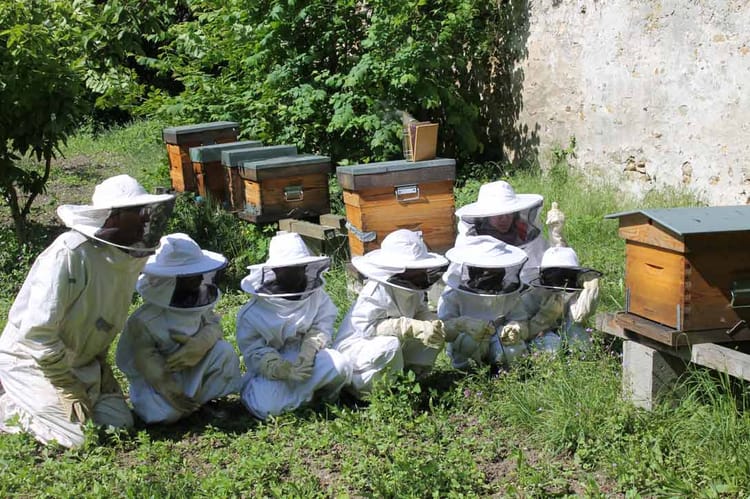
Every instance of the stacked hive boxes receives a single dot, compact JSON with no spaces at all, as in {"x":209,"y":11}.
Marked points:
{"x":383,"y":197}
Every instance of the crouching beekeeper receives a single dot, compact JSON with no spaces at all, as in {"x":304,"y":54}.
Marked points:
{"x":171,"y":349}
{"x":284,"y":331}
{"x":390,"y":327}
{"x":53,"y":351}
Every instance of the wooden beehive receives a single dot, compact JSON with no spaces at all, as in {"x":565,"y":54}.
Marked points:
{"x":285,"y":187}
{"x":210,"y":178}
{"x":180,"y":139}
{"x":689,"y":268}
{"x":383,"y":197}
{"x":233,"y":158}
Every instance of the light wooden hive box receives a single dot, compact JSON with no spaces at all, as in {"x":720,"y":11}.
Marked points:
{"x":210,"y":177}
{"x":231,"y":160}
{"x":180,"y":139}
{"x":382,"y":197}
{"x":285,"y":187}
{"x":689,"y":268}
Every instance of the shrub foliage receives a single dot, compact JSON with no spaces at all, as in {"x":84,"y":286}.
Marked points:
{"x":332,"y":77}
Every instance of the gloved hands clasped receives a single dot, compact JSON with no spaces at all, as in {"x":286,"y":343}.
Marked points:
{"x":430,"y":333}
{"x":479,"y":330}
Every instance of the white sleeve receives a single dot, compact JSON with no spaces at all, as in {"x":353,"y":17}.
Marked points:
{"x":250,"y":341}
{"x":55,"y":281}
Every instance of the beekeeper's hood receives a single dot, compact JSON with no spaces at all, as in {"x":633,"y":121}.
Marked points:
{"x":560,"y":269}
{"x":488,"y":266}
{"x":122,"y":214}
{"x":402,"y":261}
{"x":180,"y":275}
{"x":498,"y":198}
{"x":290,"y":271}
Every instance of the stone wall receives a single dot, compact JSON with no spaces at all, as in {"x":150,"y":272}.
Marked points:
{"x":654,"y":91}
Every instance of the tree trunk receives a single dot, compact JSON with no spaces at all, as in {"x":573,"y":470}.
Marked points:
{"x":19,"y":220}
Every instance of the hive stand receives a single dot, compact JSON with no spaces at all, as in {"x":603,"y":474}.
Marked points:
{"x":328,"y":237}
{"x":650,"y":367}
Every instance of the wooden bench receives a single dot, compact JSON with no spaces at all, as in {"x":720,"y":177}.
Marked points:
{"x":650,"y":364}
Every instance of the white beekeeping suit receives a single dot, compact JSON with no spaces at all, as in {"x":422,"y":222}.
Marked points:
{"x":172,"y":349}
{"x":285,"y":329}
{"x":482,"y":295}
{"x":562,"y":296}
{"x":509,"y":217}
{"x":53,"y":351}
{"x":390,"y":327}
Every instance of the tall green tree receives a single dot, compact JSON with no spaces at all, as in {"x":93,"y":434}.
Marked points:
{"x":40,"y":97}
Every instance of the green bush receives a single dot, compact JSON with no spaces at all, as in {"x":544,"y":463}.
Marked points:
{"x":331,"y":77}
{"x":215,"y":229}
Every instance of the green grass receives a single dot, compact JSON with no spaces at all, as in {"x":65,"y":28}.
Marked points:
{"x":551,"y":427}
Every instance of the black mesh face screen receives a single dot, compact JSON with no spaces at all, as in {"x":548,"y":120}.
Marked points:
{"x":418,"y":279}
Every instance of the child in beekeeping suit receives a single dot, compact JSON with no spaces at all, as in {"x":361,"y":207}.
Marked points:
{"x":172,"y":348}
{"x":481,"y":297}
{"x":561,"y":297}
{"x":390,"y":327}
{"x":284,"y":331}
{"x":508,"y":217}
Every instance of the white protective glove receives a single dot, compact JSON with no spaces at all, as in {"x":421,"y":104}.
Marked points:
{"x":173,"y":393}
{"x":276,"y":368}
{"x":430,"y":333}
{"x":514,"y":333}
{"x":193,"y":348}
{"x":76,"y":403}
{"x":549,"y":316}
{"x":555,"y":223}
{"x":480,"y":330}
{"x":313,"y":341}
{"x":152,"y":366}
{"x":584,"y":304}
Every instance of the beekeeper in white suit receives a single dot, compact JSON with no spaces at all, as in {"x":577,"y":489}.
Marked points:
{"x":390,"y":327}
{"x":285,"y":329}
{"x":53,"y":351}
{"x":508,"y":217}
{"x":172,"y":349}
{"x":562,"y":296}
{"x":480,"y":298}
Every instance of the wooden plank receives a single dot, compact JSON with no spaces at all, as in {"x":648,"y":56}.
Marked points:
{"x":722,"y":359}
{"x":312,"y":230}
{"x":331,"y":220}
{"x":425,"y":141}
{"x":655,"y":280}
{"x":629,"y":326}
{"x":647,"y":328}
